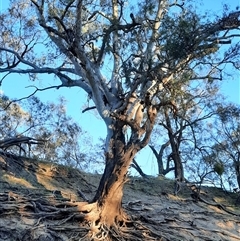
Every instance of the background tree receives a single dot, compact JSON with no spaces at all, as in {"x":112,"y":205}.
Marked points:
{"x":227,"y":143}
{"x":12,"y":118}
{"x":64,"y":142}
{"x":143,"y":46}
{"x":179,"y":125}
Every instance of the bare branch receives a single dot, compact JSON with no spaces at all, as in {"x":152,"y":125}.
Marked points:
{"x":89,"y":108}
{"x":116,"y":27}
{"x":19,"y":57}
{"x":67,"y":8}
{"x":78,"y":23}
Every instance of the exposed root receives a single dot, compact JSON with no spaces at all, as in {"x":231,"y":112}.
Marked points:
{"x":41,"y":219}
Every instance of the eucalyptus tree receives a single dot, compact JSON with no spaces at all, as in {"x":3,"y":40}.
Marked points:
{"x":179,"y":124}
{"x":62,"y":140}
{"x":226,"y":149}
{"x":122,"y":54}
{"x":12,"y":117}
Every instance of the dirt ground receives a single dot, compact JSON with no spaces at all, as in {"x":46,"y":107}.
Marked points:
{"x":38,"y":201}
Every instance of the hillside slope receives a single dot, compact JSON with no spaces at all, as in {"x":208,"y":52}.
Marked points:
{"x":39,"y":200}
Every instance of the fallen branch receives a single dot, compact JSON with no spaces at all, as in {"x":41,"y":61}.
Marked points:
{"x":18,"y":141}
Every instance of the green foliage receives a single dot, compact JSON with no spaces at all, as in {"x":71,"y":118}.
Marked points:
{"x":219,"y":168}
{"x":181,"y":40}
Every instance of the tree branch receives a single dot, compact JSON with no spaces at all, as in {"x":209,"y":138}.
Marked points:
{"x":138,"y":168}
{"x":89,"y":108}
{"x":78,"y":23}
{"x":116,"y":27}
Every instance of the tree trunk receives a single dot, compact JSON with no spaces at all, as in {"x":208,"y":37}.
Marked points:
{"x":159,"y":156}
{"x":110,"y":191}
{"x":105,"y":210}
{"x":178,"y":171}
{"x":175,"y":155}
{"x":159,"y":159}
{"x":119,"y":155}
{"x":237,"y":169}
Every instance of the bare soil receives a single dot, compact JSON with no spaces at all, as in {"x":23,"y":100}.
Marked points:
{"x":40,"y":200}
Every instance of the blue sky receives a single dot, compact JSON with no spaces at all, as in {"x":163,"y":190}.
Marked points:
{"x":15,"y":87}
